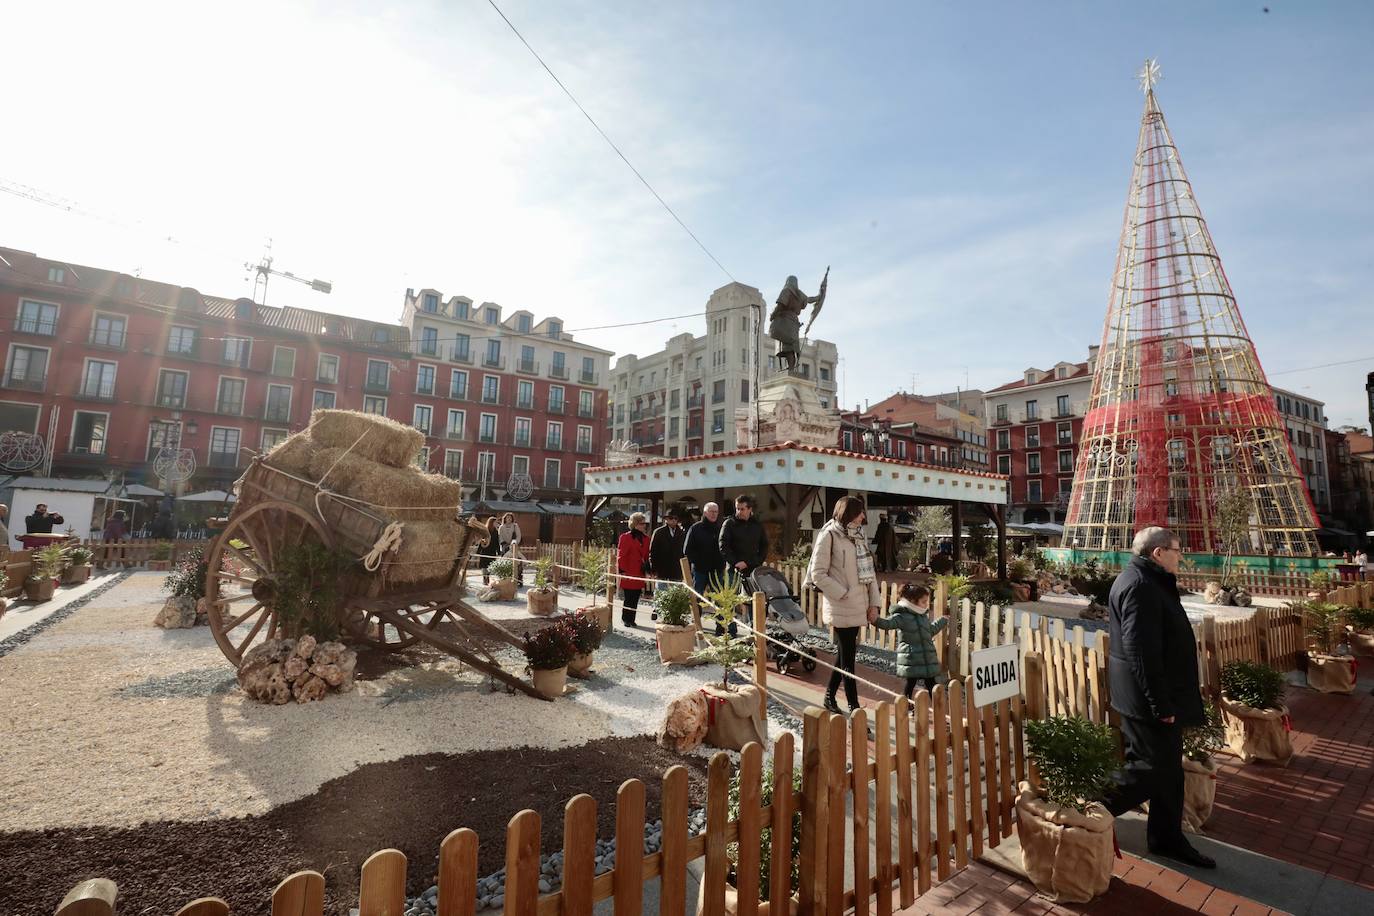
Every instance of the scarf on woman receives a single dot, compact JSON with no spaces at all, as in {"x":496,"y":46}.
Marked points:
{"x":862,"y":554}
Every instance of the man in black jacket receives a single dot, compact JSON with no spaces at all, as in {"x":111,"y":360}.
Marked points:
{"x":743,"y":542}
{"x":41,"y":522}
{"x":665,"y":550}
{"x":1153,"y":677}
{"x":702,"y":548}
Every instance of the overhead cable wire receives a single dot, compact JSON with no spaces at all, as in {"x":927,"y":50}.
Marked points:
{"x":623,"y":158}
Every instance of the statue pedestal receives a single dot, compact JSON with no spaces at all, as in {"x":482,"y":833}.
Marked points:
{"x":789,"y":411}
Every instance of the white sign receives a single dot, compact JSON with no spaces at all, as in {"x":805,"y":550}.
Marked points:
{"x":996,"y":673}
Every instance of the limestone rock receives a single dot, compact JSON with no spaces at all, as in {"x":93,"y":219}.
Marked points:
{"x":328,"y":653}
{"x":337,"y":674}
{"x":305,"y":647}
{"x":265,"y":683}
{"x":176,"y":614}
{"x":309,"y":689}
{"x":294,"y":667}
{"x":202,"y":611}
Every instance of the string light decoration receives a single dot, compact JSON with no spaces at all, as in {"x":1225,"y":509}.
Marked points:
{"x":1181,"y":413}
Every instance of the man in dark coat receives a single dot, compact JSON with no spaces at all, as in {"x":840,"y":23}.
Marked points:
{"x":41,"y":522}
{"x":886,"y":539}
{"x":665,"y":550}
{"x":743,"y":543}
{"x":1153,"y":677}
{"x":702,"y":548}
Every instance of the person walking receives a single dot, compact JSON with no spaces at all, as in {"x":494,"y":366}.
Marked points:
{"x":1153,"y":680}
{"x":489,"y":549}
{"x":665,"y":550}
{"x":509,"y":533}
{"x":885,"y":542}
{"x":917,"y":660}
{"x":842,"y":569}
{"x":743,"y":545}
{"x":702,"y":548}
{"x":1361,"y":561}
{"x":632,"y":561}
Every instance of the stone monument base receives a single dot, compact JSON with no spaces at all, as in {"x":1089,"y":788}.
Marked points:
{"x":790,"y":410}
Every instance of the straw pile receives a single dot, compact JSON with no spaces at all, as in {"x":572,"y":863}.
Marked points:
{"x":386,"y":441}
{"x":425,"y":497}
{"x":294,"y":453}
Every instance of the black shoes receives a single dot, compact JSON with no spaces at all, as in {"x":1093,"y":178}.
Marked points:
{"x":1187,"y":855}
{"x":831,"y":706}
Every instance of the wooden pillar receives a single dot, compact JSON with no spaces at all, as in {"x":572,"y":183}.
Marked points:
{"x":956,"y":524}
{"x":790,"y":506}
{"x":719,"y":500}
{"x":653,"y":512}
{"x":999,"y":514}
{"x":696,"y":604}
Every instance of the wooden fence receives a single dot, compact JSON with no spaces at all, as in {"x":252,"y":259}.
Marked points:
{"x":919,"y":800}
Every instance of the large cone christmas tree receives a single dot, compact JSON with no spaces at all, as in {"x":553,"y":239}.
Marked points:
{"x":1182,"y":429}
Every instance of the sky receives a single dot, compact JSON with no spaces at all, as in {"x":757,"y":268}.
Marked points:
{"x":961,"y":167}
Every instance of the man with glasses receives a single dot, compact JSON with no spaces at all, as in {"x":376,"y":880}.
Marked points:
{"x":1153,"y":677}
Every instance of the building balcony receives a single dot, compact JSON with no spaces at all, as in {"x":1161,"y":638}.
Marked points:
{"x":377,"y":386}
{"x":1001,"y":421}
{"x":588,"y":378}
{"x":1029,"y":417}
{"x":636,"y":416}
{"x":180,"y":351}
{"x":489,"y":398}
{"x":91,"y":452}
{"x":171,"y":401}
{"x":28,"y":382}
{"x":429,"y":348}
{"x":454,"y":434}
{"x":588,"y":413}
{"x":229,"y":408}
{"x":694,"y":432}
{"x":276,"y":414}
{"x":39,"y":327}
{"x":487,"y":438}
{"x":100,"y":391}
{"x":527,"y":366}
{"x":558,"y":407}
{"x":584,"y":446}
{"x":108,"y":339}
{"x":524,"y":403}
{"x":237,"y":362}
{"x":553,"y":444}
{"x":559,"y":372}
{"x":460,"y":355}
{"x":696,"y":401}
{"x":224,"y":459}
{"x":494,"y":361}
{"x":425,"y":390}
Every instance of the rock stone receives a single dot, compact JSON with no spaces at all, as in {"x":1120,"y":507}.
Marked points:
{"x":176,"y":614}
{"x":337,"y":674}
{"x":305,"y":647}
{"x":328,"y":653}
{"x":202,"y":611}
{"x":294,"y":667}
{"x":265,"y":683}
{"x":310,"y":689}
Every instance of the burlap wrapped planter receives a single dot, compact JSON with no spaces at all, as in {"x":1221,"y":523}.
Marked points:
{"x":552,"y":682}
{"x":75,"y":575}
{"x":581,"y":665}
{"x":1331,"y":673}
{"x":1066,"y":854}
{"x":540,"y":603}
{"x":505,"y":589}
{"x":675,"y":644}
{"x":1257,"y":734}
{"x":732,"y":903}
{"x":1362,"y":642}
{"x":733,"y":717}
{"x":601,"y":613}
{"x":1199,"y":793}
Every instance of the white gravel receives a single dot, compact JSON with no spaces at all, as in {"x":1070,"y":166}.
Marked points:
{"x":109,"y":720}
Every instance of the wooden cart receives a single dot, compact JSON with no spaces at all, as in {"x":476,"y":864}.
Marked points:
{"x":275,"y":509}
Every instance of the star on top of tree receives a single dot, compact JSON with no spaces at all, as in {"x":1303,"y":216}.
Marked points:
{"x":1149,"y":75}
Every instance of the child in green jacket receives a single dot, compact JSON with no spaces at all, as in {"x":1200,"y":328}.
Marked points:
{"x":916,"y":658}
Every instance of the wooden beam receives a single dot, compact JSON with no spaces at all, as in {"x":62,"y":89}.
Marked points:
{"x":791,"y":506}
{"x":999,"y":513}
{"x":956,"y":524}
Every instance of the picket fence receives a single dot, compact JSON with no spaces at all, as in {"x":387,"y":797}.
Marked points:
{"x":921,"y":798}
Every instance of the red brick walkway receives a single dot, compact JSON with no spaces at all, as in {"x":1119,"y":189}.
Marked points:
{"x":1138,"y":887}
{"x":1319,"y":811}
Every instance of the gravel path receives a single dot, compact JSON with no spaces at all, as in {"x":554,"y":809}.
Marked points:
{"x":161,"y":732}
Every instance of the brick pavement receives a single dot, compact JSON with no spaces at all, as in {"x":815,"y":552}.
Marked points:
{"x":1317,"y":812}
{"x":1138,"y":887}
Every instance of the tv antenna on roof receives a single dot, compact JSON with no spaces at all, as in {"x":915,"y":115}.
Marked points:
{"x":265,"y":271}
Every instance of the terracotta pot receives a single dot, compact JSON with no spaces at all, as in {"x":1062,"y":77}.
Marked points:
{"x":39,"y":588}
{"x":581,"y":665}
{"x":1331,"y":673}
{"x":505,"y":589}
{"x":1021,"y":592}
{"x":675,"y":644}
{"x":550,"y":682}
{"x":1066,"y":854}
{"x":732,"y":902}
{"x":1199,"y":792}
{"x":75,"y":575}
{"x":1257,"y":734}
{"x":602,"y":614}
{"x":541,"y":604}
{"x":1362,"y":642}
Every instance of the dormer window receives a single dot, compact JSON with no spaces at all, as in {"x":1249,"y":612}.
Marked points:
{"x":555,"y":329}
{"x":57,"y":275}
{"x":380,"y":335}
{"x":522,"y":324}
{"x":1063,"y":372}
{"x":431,"y":302}
{"x":460,"y":309}
{"x":243,"y":309}
{"x":493,"y":316}
{"x":1030,"y":376}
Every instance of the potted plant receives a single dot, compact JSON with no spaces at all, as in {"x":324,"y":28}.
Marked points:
{"x":1329,"y":669}
{"x":78,"y":568}
{"x":676,"y":635}
{"x":591,"y":578}
{"x":548,"y":652}
{"x":1362,"y":630}
{"x":766,"y":905}
{"x":586,"y":634}
{"x":1200,"y":770}
{"x":502,"y":569}
{"x":1066,"y":833}
{"x":161,"y":557}
{"x":542,"y":598}
{"x":1320,"y":583}
{"x":47,"y":568}
{"x":1253,"y":713}
{"x":1022,"y":574}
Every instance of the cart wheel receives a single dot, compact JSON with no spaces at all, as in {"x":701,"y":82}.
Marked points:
{"x":239,"y":586}
{"x":366,"y":627}
{"x":809,"y":664}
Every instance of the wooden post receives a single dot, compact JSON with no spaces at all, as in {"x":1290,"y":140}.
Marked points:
{"x":941,"y":609}
{"x":1209,"y":649}
{"x":815,"y":731}
{"x":790,"y":509}
{"x":956,"y":524}
{"x":610,"y":585}
{"x":761,"y":653}
{"x":696,"y":604}
{"x":1034,"y":687}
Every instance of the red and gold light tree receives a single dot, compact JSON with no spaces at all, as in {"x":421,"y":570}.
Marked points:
{"x":1182,"y":419}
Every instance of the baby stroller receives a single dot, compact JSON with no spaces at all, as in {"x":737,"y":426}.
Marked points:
{"x":784,"y":619}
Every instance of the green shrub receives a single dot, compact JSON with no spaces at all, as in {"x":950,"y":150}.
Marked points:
{"x":990,"y":593}
{"x":1253,"y":684}
{"x":766,"y":834}
{"x":601,"y":534}
{"x":542,"y":567}
{"x":311,"y":584}
{"x":955,"y":586}
{"x":187,"y":578}
{"x":1092,"y":580}
{"x":1074,"y":757}
{"x":1362,"y":618}
{"x":48,"y":562}
{"x":583,"y":631}
{"x":501,"y":568}
{"x":162,"y":551}
{"x":79,"y":556}
{"x":549,"y":649}
{"x":723,"y":595}
{"x":673,"y":604}
{"x":1324,"y":622}
{"x":800,"y":555}
{"x":1021,"y":569}
{"x":1200,"y":742}
{"x":1320,"y":581}
{"x":591,"y":576}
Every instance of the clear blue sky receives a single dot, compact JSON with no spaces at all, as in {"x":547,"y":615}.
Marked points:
{"x":962,"y":167}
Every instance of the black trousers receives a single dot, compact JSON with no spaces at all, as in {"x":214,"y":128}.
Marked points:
{"x":846,"y":656}
{"x":927,"y":682}
{"x":631,"y":604}
{"x":1153,"y":772}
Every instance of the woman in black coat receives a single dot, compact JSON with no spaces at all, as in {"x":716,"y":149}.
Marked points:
{"x":489,"y":549}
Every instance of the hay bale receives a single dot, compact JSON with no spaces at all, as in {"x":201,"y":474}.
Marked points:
{"x":385,"y":441}
{"x":398,"y":488}
{"x":427,"y":551}
{"x":293,"y":454}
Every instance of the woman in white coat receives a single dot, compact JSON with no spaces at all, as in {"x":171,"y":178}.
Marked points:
{"x":842,"y":568}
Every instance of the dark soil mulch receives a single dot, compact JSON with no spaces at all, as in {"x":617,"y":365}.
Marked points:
{"x":409,"y":804}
